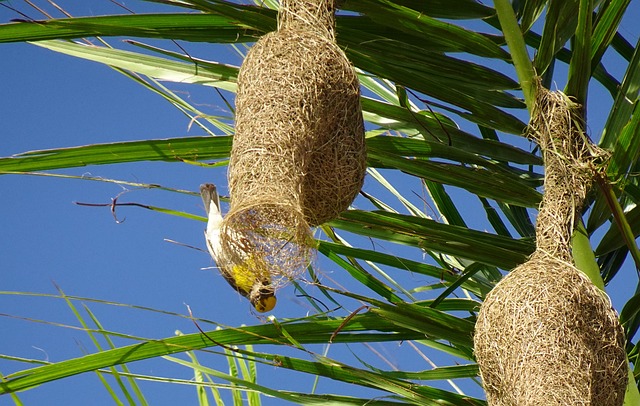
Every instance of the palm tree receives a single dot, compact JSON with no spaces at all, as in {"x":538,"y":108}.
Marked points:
{"x":446,"y":88}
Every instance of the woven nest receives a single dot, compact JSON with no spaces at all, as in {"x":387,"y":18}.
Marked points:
{"x":298,"y":155}
{"x":299,"y":129}
{"x":545,"y":335}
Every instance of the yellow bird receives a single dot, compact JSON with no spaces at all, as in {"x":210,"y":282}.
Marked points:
{"x":250,"y":278}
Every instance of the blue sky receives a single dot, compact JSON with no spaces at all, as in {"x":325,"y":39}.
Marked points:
{"x":51,"y":100}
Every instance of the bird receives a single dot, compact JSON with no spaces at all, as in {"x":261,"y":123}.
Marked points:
{"x":250,"y":277}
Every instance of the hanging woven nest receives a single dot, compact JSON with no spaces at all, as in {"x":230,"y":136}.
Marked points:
{"x":299,"y":129}
{"x":545,"y":335}
{"x":298,"y":155}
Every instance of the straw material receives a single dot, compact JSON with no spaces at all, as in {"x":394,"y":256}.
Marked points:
{"x":545,"y":335}
{"x":298,"y":156}
{"x":299,"y":128}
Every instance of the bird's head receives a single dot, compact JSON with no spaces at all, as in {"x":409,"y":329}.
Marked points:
{"x":262,"y":297}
